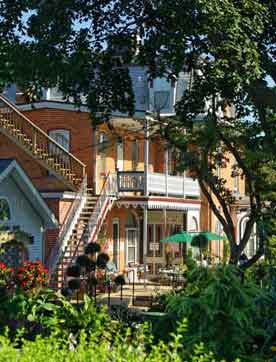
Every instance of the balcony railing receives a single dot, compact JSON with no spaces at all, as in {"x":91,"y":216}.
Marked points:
{"x":158,"y":184}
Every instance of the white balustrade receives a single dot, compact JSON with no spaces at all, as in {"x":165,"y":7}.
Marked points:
{"x":178,"y":186}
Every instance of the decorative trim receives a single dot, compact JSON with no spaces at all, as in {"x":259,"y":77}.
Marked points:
{"x":159,"y":205}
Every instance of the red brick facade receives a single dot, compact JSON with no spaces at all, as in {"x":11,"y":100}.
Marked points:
{"x":79,"y":125}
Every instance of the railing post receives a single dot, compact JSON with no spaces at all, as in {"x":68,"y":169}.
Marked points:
{"x":184,"y":180}
{"x":34,"y":141}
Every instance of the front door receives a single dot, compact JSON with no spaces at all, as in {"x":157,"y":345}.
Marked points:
{"x":131,"y":246}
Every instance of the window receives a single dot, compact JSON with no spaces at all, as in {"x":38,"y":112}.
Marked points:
{"x":161,"y":100}
{"x":135,"y":154}
{"x":161,"y":96}
{"x":251,"y":245}
{"x":150,"y":238}
{"x":155,"y":234}
{"x":103,"y":143}
{"x":5,"y":212}
{"x":103,"y":147}
{"x":132,"y":250}
{"x":120,"y":154}
{"x":171,"y":162}
{"x":62,"y":137}
{"x":235,"y":174}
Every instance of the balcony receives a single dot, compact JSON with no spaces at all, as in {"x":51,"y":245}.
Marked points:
{"x":158,"y":184}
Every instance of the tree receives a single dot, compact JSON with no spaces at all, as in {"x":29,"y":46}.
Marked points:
{"x":227,"y":46}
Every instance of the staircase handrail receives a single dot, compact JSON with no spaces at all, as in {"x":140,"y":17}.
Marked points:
{"x":109,"y":191}
{"x":40,"y":131}
{"x":67,"y":226}
{"x":104,"y":191}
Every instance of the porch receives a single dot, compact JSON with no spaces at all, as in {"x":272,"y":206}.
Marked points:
{"x":158,"y":184}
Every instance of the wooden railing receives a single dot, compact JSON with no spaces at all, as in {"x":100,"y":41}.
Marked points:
{"x":67,"y":227}
{"x":36,"y":142}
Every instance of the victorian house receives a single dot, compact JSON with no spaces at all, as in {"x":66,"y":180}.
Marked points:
{"x":67,"y":185}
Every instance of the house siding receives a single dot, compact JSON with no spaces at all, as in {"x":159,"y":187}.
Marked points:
{"x":23,"y":215}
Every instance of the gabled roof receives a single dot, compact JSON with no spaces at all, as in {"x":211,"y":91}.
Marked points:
{"x":10,"y":168}
{"x":4,"y":163}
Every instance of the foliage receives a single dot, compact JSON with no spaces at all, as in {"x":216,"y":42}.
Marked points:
{"x":14,"y":233}
{"x":83,"y":261}
{"x":102,"y":260}
{"x":92,"y":248}
{"x":120,"y":280}
{"x":48,"y":312}
{"x":99,"y":345}
{"x":74,"y":284}
{"x":73,"y":271}
{"x":91,"y":265}
{"x":222,"y":313}
{"x":32,"y":276}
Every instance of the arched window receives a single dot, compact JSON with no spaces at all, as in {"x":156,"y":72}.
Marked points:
{"x":193,"y":227}
{"x":250,"y":248}
{"x":5,"y":212}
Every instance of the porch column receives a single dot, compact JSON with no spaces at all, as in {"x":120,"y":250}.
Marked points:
{"x":146,"y":192}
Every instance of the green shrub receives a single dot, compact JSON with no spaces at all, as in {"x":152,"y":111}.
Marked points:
{"x":222,"y":313}
{"x":102,"y":348}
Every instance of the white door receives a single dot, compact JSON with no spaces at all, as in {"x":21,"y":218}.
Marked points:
{"x":131,"y":246}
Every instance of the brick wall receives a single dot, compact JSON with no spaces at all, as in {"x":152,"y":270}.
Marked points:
{"x":37,"y":173}
{"x":79,"y":125}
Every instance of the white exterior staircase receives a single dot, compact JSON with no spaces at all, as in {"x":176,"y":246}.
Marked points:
{"x":89,"y":213}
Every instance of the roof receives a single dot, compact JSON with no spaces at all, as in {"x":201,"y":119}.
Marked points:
{"x":4,"y":163}
{"x":10,"y":168}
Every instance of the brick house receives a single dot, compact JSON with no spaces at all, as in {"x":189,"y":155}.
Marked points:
{"x":117,"y":184}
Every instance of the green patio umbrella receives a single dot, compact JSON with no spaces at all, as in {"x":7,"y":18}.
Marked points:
{"x":182,"y":237}
{"x":211,"y":236}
